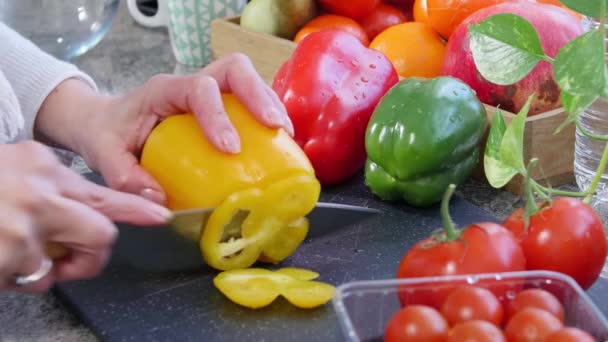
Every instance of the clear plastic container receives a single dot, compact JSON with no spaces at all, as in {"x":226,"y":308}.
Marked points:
{"x":364,"y":308}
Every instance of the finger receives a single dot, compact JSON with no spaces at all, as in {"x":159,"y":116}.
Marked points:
{"x":115,"y":205}
{"x":87,"y":233}
{"x":20,"y":252}
{"x":123,"y":172}
{"x":236,"y":74}
{"x":288,"y":125}
{"x":200,"y":95}
{"x":207,"y":105}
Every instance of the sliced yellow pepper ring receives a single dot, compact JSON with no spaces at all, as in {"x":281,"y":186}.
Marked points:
{"x":256,"y":287}
{"x":259,"y":224}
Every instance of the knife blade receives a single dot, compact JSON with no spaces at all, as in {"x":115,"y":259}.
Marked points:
{"x":175,"y":247}
{"x":323,"y":217}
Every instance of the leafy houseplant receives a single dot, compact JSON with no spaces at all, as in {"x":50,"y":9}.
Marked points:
{"x":579,"y":70}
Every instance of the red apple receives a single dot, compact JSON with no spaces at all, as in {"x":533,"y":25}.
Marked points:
{"x":555,"y":26}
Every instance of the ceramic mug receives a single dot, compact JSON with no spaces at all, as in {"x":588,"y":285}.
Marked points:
{"x":189,"y":24}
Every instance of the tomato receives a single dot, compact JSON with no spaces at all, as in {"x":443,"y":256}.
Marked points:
{"x":416,"y":323}
{"x":445,"y":15}
{"x":570,"y":334}
{"x":481,"y":248}
{"x":536,"y":298}
{"x":567,"y":237}
{"x":382,"y":17}
{"x":475,"y":331}
{"x":468,"y":302}
{"x":413,"y":48}
{"x":404,"y":6}
{"x":531,"y":325}
{"x":354,"y":9}
{"x":332,"y":21}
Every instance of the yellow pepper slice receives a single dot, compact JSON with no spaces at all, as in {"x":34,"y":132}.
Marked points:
{"x":256,"y":287}
{"x":298,"y":273}
{"x":261,"y":195}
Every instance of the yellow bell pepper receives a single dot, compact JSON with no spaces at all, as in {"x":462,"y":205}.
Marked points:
{"x":261,"y":195}
{"x":257,"y":287}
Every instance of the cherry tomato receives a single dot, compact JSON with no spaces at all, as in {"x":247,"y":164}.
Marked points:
{"x":332,"y":22}
{"x":476,"y":331}
{"x":535,"y":298}
{"x":353,"y":9}
{"x":416,"y":323}
{"x":382,"y":17}
{"x":404,"y":5}
{"x":481,"y":248}
{"x":531,"y":325}
{"x":468,"y":302}
{"x":570,"y":334}
{"x":567,"y":237}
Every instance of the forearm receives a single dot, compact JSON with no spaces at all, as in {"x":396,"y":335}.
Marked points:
{"x":33,"y":74}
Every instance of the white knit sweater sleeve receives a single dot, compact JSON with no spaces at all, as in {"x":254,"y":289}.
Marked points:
{"x":32,"y":74}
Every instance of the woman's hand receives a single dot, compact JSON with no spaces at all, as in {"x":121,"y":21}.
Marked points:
{"x":109,"y":132}
{"x":42,"y":201}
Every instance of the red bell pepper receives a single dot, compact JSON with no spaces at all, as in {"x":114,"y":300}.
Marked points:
{"x":330,"y":86}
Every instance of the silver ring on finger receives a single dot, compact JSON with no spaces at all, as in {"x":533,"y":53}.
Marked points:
{"x":45,"y":267}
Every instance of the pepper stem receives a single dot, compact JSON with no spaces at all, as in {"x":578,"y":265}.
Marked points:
{"x":451,"y":233}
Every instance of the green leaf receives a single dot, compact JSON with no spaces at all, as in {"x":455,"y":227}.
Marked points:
{"x":497,"y":173}
{"x":574,"y":105}
{"x":505,"y":48}
{"x":512,"y":146}
{"x":589,"y":8}
{"x":579,"y":65}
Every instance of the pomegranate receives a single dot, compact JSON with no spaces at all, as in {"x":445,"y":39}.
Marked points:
{"x":555,"y":26}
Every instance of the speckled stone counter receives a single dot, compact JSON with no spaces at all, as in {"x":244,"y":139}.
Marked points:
{"x":128,"y":56}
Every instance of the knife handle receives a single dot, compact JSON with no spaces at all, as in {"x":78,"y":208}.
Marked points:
{"x":55,"y":251}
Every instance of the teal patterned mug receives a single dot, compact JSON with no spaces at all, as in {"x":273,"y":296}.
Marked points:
{"x":189,"y":23}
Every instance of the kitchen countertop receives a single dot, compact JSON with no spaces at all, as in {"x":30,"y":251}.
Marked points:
{"x":129,"y":55}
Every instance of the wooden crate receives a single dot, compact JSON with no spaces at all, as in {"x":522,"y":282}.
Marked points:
{"x":555,"y":153}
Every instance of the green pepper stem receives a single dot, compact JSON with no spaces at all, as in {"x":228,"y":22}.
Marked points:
{"x":598,"y":176}
{"x":451,"y":233}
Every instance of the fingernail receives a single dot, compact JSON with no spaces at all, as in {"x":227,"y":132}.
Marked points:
{"x":153,"y":195}
{"x":163,"y":213}
{"x":275,"y":116}
{"x":289,"y":127}
{"x":230,"y":142}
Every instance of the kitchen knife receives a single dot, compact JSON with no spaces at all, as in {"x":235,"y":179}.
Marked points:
{"x":175,"y":247}
{"x":324,"y":217}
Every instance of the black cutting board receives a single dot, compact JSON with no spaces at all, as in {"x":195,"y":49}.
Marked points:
{"x":129,"y":304}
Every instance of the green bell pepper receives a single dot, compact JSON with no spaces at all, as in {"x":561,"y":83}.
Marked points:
{"x":423,"y":135}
